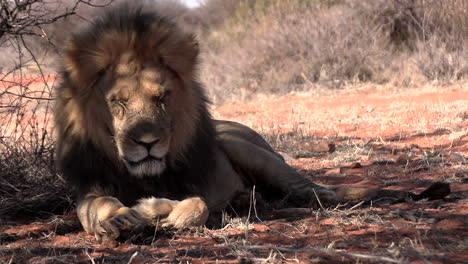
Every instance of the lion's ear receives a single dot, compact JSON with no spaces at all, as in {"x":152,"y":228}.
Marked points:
{"x":179,"y":51}
{"x":81,"y":62}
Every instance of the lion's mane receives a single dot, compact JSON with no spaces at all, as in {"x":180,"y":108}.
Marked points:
{"x":86,"y":153}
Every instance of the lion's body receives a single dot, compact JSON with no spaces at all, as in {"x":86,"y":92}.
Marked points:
{"x":133,"y":124}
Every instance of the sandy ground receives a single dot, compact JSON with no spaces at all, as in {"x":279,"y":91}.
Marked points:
{"x":370,"y":137}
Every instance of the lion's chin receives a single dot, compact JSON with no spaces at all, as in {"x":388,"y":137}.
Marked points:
{"x":149,"y":167}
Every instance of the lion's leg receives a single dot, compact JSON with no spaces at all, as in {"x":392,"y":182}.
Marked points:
{"x":172,"y":213}
{"x":250,"y":152}
{"x":106,"y":216}
{"x":237,"y":130}
{"x":267,"y":167}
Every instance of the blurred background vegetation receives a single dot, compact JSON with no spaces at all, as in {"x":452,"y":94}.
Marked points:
{"x":278,"y":46}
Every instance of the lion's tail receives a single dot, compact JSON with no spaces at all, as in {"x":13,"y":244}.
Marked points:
{"x":437,"y":190}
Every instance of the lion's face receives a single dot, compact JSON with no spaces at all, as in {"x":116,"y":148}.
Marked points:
{"x":131,"y":91}
{"x":139,"y":100}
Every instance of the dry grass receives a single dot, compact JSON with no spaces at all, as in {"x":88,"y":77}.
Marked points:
{"x":28,"y":181}
{"x":283,"y":46}
{"x":355,"y":217}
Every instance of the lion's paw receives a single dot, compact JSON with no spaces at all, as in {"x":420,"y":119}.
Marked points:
{"x":155,"y":208}
{"x":125,"y":219}
{"x":189,"y":212}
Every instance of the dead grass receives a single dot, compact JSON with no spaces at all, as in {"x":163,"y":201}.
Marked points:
{"x":243,"y":248}
{"x":279,"y":47}
{"x":29,"y":184}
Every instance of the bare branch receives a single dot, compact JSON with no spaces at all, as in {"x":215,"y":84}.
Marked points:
{"x":26,"y":16}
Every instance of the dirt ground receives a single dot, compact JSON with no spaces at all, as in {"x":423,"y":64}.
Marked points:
{"x":371,"y":137}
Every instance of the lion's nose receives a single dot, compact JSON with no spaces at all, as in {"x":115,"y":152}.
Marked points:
{"x":147,"y":140}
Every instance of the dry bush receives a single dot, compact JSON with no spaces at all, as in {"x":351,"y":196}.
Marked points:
{"x":38,"y":27}
{"x":281,"y":46}
{"x":443,"y":55}
{"x":428,"y":34}
{"x":288,"y":46}
{"x":29,"y":184}
{"x":436,"y":60}
{"x":29,"y":29}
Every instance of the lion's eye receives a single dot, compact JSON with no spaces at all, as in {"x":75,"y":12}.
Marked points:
{"x":163,"y":100}
{"x":119,"y":102}
{"x":122,"y":103}
{"x":118,"y":108}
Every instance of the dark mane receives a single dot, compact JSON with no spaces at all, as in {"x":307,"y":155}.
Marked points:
{"x":89,"y":169}
{"x":83,"y":162}
{"x":128,"y":17}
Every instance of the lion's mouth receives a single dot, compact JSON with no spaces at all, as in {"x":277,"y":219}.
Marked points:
{"x":147,"y":159}
{"x":147,"y":167}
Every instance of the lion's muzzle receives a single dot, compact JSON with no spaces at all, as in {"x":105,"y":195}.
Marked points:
{"x":145,"y":155}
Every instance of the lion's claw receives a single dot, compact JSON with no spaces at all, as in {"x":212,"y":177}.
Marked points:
{"x":125,"y":219}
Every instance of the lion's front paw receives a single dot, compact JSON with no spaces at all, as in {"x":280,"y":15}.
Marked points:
{"x":125,"y":219}
{"x":187,"y":213}
{"x":172,"y":213}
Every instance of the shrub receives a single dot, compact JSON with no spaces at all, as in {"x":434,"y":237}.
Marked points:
{"x":270,"y":46}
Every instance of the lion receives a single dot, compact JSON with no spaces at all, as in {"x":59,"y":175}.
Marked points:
{"x":137,"y":142}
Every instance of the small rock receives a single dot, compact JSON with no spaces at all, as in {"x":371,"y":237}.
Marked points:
{"x":457,"y":158}
{"x":320,"y":146}
{"x":335,"y":171}
{"x":331,"y":147}
{"x":403,"y":159}
{"x":328,"y":221}
{"x":453,"y":223}
{"x":460,"y":174}
{"x":366,"y":163}
{"x":304,"y":154}
{"x":285,"y":156}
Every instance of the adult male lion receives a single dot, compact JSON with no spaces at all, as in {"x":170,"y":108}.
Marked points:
{"x":133,"y":124}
